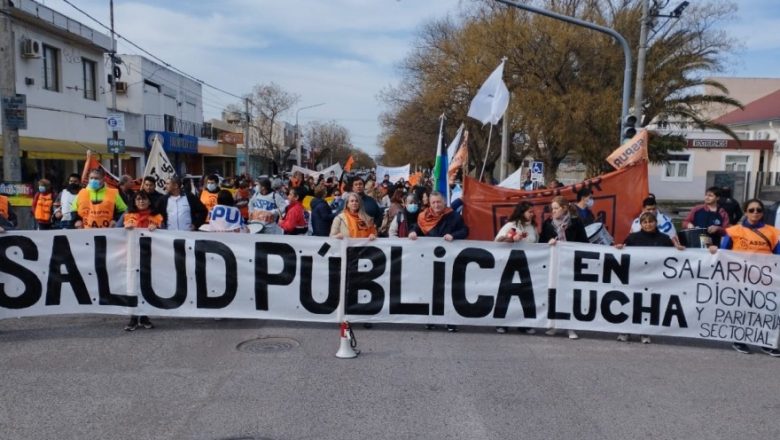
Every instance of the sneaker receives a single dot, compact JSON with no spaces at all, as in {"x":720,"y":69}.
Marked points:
{"x":644,"y":339}
{"x":622,"y":337}
{"x":501,"y":330}
{"x":573,"y":335}
{"x":429,"y":326}
{"x":530,"y":331}
{"x":742,"y":348}
{"x":132,"y":325}
{"x":771,"y":351}
{"x":146,"y":323}
{"x":452,"y":328}
{"x":550,"y":332}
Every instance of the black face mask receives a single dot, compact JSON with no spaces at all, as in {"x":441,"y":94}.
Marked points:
{"x":74,"y":187}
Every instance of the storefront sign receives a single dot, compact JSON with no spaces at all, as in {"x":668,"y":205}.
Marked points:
{"x":173,"y":142}
{"x":15,"y":111}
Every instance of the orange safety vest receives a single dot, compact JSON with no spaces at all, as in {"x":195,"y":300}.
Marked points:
{"x":209,"y":200}
{"x":137,"y":220}
{"x":4,"y":207}
{"x":99,"y":214}
{"x":745,"y":240}
{"x":244,"y":194}
{"x":43,"y":206}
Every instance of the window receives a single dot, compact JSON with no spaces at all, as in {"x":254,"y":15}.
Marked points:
{"x":170,"y":123}
{"x":679,"y":168}
{"x":51,"y":68}
{"x":89,"y":68}
{"x":736,"y":163}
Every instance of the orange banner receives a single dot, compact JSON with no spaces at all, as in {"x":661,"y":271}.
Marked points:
{"x":633,"y":150}
{"x":459,"y":160}
{"x":617,"y":198}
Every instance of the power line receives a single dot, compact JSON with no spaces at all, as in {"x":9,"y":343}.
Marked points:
{"x":166,"y":64}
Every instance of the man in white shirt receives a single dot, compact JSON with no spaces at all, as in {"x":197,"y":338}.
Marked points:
{"x":181,"y":211}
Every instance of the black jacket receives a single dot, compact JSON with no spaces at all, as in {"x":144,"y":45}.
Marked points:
{"x":198,"y":211}
{"x":321,"y":218}
{"x":451,"y":223}
{"x":372,"y":209}
{"x":642,"y":238}
{"x":575,"y":232}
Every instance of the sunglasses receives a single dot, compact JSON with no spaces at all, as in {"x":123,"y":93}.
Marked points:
{"x":755,"y":210}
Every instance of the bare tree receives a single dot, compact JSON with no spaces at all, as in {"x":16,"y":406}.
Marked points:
{"x":269,"y":103}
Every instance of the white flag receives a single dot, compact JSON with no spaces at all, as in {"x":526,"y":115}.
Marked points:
{"x":158,"y":166}
{"x":492,"y":99}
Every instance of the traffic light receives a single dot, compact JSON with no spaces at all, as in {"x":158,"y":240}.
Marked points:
{"x":629,"y":127}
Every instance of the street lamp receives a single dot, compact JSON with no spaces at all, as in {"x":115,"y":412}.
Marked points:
{"x":297,"y":132}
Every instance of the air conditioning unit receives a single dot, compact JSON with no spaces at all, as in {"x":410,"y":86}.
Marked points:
{"x":31,"y":48}
{"x":121,"y":88}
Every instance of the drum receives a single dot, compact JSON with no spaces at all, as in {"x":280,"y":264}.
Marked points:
{"x":695,"y":238}
{"x":598,"y":234}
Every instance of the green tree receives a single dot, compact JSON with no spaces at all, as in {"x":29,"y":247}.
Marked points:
{"x":565,"y":81}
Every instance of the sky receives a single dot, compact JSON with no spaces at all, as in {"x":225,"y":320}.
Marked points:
{"x":342,"y":53}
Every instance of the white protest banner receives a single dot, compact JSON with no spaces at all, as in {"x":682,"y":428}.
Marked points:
{"x":302,"y":170}
{"x":335,"y":168}
{"x":430,"y":281}
{"x":158,"y":166}
{"x":657,"y":291}
{"x":395,"y":173}
{"x":49,"y":273}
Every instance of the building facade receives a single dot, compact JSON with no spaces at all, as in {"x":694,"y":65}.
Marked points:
{"x":59,"y":69}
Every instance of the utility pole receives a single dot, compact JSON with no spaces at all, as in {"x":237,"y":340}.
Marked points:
{"x":12,"y":168}
{"x":115,"y":134}
{"x":297,"y":135}
{"x":504,"y":147}
{"x":247,"y":118}
{"x":640,"y":63}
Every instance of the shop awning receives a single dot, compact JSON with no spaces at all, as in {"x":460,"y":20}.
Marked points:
{"x":41,"y":148}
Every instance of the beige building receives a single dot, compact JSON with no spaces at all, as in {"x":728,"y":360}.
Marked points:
{"x":729,"y":162}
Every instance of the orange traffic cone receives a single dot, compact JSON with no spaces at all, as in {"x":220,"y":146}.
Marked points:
{"x":347,"y":343}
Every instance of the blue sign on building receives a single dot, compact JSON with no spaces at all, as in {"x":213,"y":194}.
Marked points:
{"x":172,"y":142}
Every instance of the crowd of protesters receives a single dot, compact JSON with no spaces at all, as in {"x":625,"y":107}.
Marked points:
{"x":356,"y":206}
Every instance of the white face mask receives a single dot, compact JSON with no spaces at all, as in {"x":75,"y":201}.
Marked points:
{"x":211,"y":187}
{"x":589,"y":203}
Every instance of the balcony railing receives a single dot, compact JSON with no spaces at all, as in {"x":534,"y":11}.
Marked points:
{"x":171,"y":124}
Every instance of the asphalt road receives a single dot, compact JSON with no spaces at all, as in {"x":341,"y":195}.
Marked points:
{"x":82,"y":377}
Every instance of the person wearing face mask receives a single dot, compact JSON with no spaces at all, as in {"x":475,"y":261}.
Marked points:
{"x":43,"y":205}
{"x":7,"y":215}
{"x":583,"y":205}
{"x":97,"y":206}
{"x":265,"y":200}
{"x":63,"y":211}
{"x":209,"y":194}
{"x":405,"y":219}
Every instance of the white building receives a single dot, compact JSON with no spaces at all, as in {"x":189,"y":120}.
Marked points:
{"x":156,"y":100}
{"x":59,"y":68}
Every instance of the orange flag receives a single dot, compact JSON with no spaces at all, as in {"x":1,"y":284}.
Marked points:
{"x":111,"y":180}
{"x":348,"y":164}
{"x":460,"y":160}
{"x":630,"y":152}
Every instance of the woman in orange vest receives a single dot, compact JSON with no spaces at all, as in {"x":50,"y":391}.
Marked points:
{"x":141,"y":215}
{"x":43,"y":205}
{"x":754,"y":236}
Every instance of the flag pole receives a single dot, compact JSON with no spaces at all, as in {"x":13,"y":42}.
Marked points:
{"x":487,"y":150}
